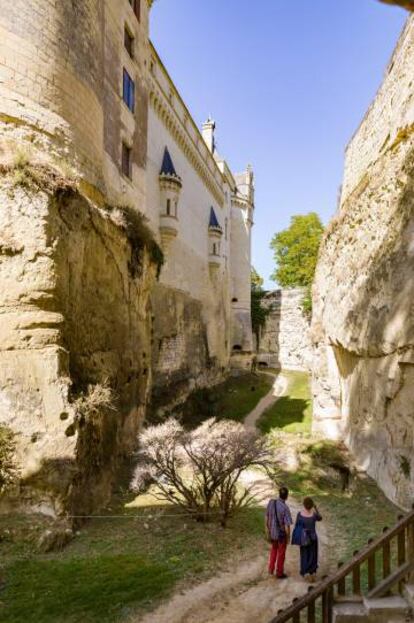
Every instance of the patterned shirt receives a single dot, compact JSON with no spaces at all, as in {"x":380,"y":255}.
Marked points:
{"x":284,"y":518}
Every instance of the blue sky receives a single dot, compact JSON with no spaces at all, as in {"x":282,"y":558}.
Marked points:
{"x":287,"y":82}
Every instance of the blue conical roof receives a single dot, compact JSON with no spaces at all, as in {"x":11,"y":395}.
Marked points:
{"x":167,"y":167}
{"x":213,"y":223}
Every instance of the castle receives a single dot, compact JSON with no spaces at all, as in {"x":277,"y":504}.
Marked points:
{"x":93,"y":134}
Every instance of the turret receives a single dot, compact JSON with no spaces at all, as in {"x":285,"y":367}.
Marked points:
{"x":208,"y":131}
{"x":215,"y":233}
{"x":170,"y":190}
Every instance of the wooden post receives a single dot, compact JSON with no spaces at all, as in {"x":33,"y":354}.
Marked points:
{"x":356,"y":580}
{"x":371,"y":571}
{"x":327,"y":606}
{"x":401,"y":553}
{"x":386,"y":559}
{"x":311,"y":613}
{"x":410,"y":548}
{"x":341,"y":583}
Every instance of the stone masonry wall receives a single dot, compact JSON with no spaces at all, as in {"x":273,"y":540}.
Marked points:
{"x":363,"y":315}
{"x":285,"y":340}
{"x":181,"y":358}
{"x":73,"y":314}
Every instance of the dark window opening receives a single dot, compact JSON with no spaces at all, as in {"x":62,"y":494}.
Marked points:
{"x":126,"y":160}
{"x":129,"y":42}
{"x":168,"y":207}
{"x":234,"y":300}
{"x":237,"y":347}
{"x":128,"y":91}
{"x":136,"y":7}
{"x":176,"y":209}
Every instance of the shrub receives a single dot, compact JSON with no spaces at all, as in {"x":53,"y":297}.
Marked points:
{"x":135,"y":226}
{"x":95,"y":401}
{"x":200,"y":470}
{"x":8,"y":470}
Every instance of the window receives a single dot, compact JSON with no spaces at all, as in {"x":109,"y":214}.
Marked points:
{"x":175,"y":209}
{"x":126,"y":160}
{"x":129,"y":42}
{"x":168,"y":207}
{"x":136,"y":7}
{"x":128,"y":92}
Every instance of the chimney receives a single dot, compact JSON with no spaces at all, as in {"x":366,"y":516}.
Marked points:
{"x":208,"y":134}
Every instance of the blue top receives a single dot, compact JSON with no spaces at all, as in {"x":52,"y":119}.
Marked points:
{"x":213,"y":223}
{"x":309,"y":524}
{"x":167,"y":167}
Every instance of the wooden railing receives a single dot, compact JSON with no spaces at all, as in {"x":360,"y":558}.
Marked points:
{"x":373,"y":572}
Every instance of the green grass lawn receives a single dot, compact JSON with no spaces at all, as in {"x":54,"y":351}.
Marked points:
{"x":116,"y":567}
{"x":233,"y":399}
{"x":291,"y":413}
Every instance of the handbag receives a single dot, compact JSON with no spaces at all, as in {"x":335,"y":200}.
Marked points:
{"x":300,"y":536}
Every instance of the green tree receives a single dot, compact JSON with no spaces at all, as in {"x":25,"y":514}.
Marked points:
{"x":296,"y":251}
{"x":258,"y":311}
{"x":256,"y":280}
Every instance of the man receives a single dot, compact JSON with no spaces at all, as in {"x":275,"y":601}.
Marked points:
{"x":278,"y":522}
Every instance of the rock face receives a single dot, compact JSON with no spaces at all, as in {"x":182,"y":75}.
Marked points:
{"x":285,"y":340}
{"x":75,"y":311}
{"x":407,"y":4}
{"x":180,"y":354}
{"x":363,"y":323}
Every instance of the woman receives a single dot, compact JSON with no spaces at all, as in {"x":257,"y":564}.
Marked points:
{"x":305,"y":536}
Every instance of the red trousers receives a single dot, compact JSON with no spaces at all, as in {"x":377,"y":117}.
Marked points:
{"x":277,"y":558}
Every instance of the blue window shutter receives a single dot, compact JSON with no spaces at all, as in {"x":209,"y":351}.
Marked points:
{"x":128,"y":91}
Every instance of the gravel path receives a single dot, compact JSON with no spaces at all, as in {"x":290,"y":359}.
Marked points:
{"x":245,"y":594}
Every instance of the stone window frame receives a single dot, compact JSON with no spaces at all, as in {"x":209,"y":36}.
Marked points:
{"x":126,"y":160}
{"x":129,"y":40}
{"x":136,"y":7}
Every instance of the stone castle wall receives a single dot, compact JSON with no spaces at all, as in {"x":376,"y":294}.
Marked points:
{"x":285,"y":339}
{"x":195,"y":327}
{"x":363,"y":322}
{"x":95,"y":317}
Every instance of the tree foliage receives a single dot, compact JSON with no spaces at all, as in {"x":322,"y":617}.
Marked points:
{"x":296,"y":251}
{"x":200,"y":470}
{"x":259,"y":313}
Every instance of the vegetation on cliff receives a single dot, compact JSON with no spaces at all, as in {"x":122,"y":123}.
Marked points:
{"x":259,"y":313}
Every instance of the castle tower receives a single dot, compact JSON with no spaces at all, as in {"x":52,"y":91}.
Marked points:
{"x":242,"y":206}
{"x":73,"y":87}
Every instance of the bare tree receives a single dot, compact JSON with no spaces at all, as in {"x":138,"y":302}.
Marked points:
{"x":200,"y":470}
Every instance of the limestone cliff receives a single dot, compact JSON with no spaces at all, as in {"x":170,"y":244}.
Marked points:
{"x":285,"y":339}
{"x":75,"y":311}
{"x":363,"y":324}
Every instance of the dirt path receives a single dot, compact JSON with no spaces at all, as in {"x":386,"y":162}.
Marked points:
{"x":245,"y":594}
{"x":278,"y":389}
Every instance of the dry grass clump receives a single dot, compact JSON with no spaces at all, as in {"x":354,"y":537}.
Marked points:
{"x":34,"y":176}
{"x":97,"y":399}
{"x":8,"y":469}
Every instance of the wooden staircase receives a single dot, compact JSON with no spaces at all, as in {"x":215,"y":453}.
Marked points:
{"x":376,"y":586}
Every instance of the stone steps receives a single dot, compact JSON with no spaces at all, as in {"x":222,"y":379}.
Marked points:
{"x":393,"y":609}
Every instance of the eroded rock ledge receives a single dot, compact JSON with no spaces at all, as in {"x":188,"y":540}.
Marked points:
{"x":75,"y":282}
